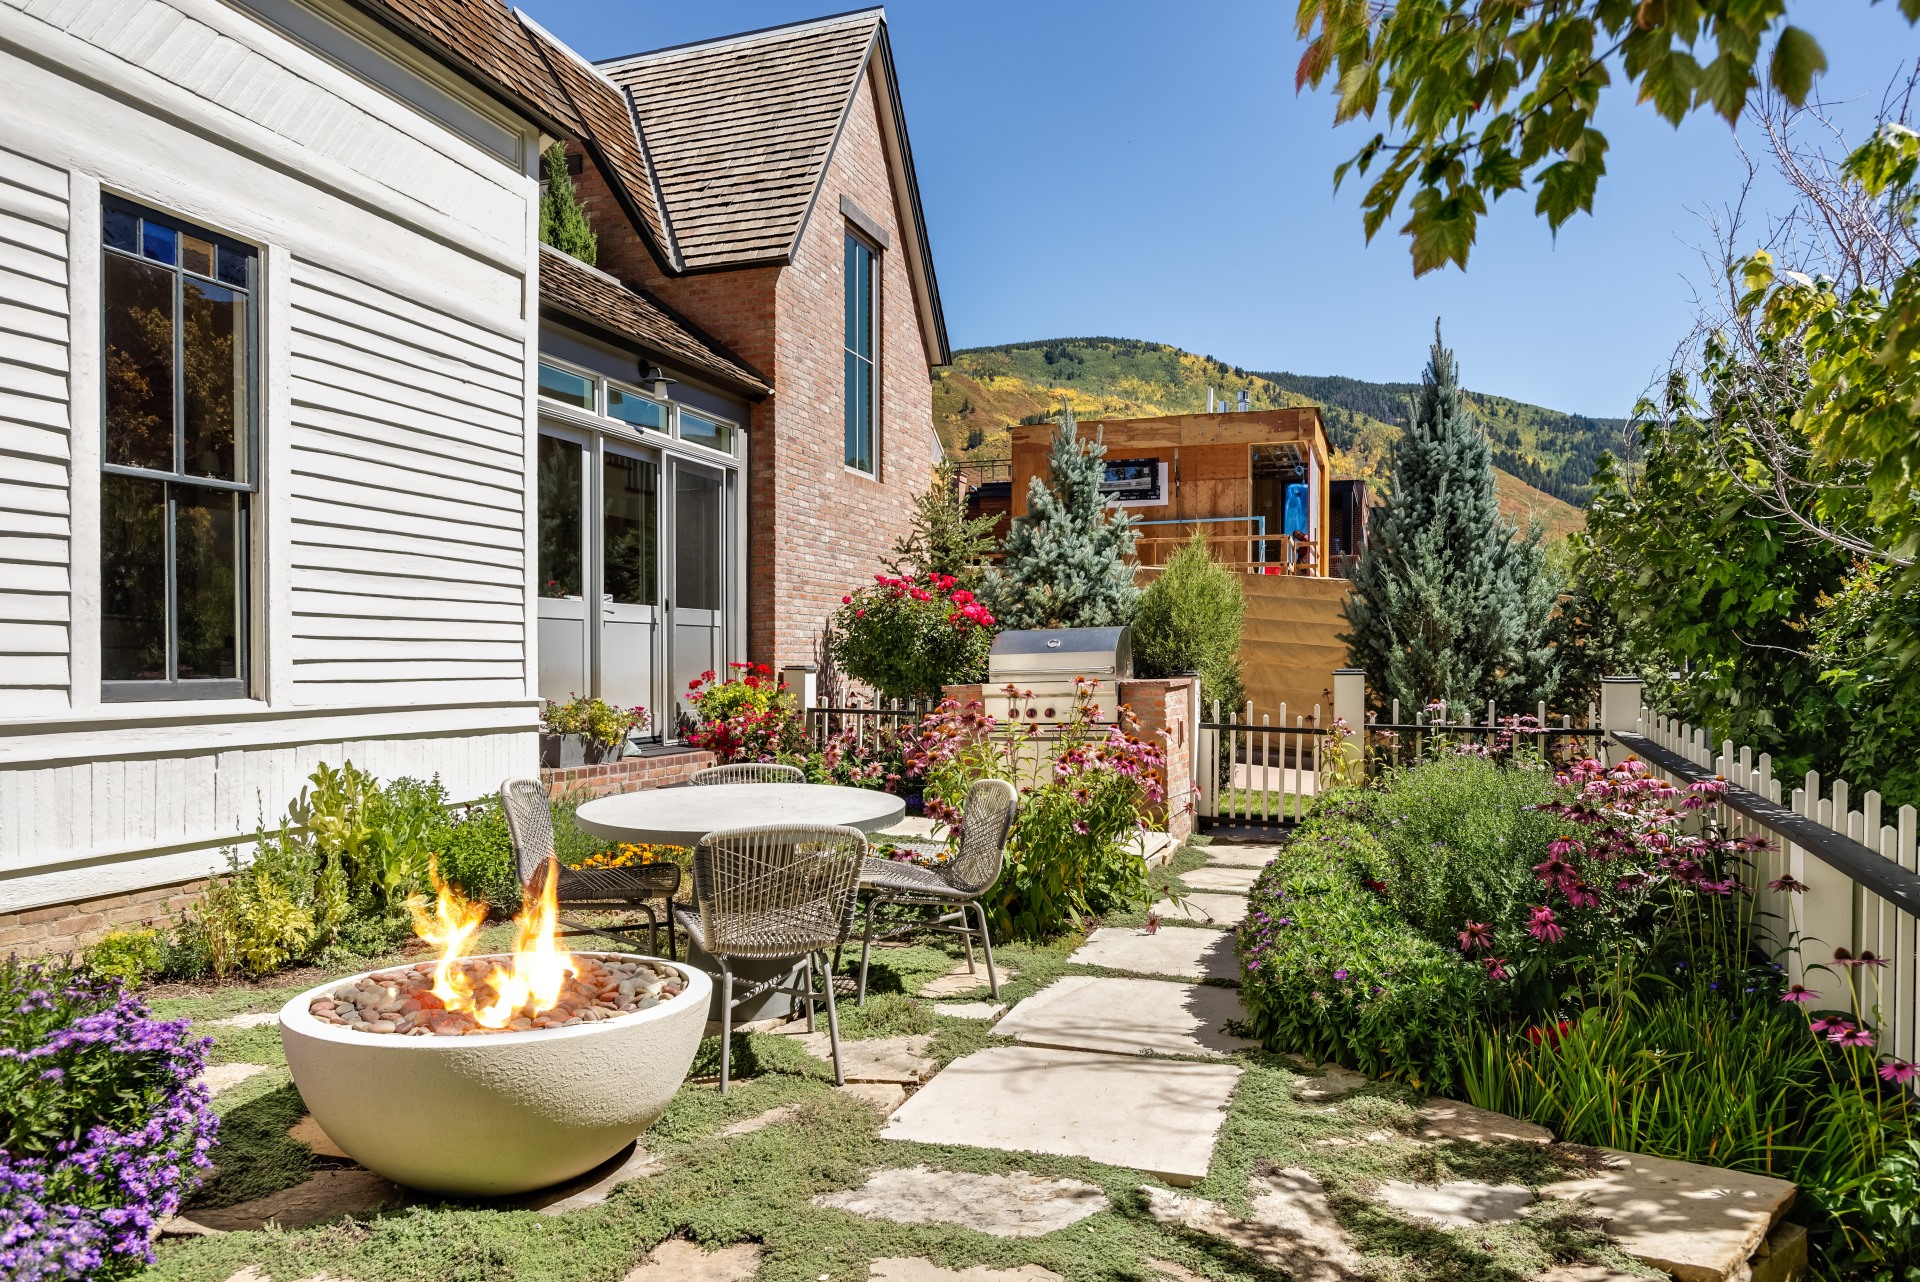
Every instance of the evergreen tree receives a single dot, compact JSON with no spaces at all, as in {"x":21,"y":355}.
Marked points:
{"x":1190,"y":620}
{"x":942,"y":538}
{"x":1449,"y":601}
{"x":1069,"y":560}
{"x":563,"y":223}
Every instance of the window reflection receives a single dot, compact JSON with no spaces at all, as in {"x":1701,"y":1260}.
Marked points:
{"x":631,"y":407}
{"x":214,"y":371}
{"x":566,"y":387}
{"x":629,"y":528}
{"x":696,"y":539}
{"x":133,"y":579}
{"x":139,"y":373}
{"x":703,"y":431}
{"x":206,"y":537}
{"x":561,"y":475}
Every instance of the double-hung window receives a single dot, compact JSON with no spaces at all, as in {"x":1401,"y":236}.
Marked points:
{"x":863,"y":294}
{"x":177,"y":467}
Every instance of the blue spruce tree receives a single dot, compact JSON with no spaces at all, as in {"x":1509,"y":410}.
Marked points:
{"x":1449,"y":600}
{"x":1069,"y":561}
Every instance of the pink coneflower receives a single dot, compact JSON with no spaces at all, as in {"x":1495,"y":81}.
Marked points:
{"x":1496,"y":968}
{"x":1898,"y":1070}
{"x":1153,"y":923}
{"x":1799,"y":993}
{"x":1581,"y":895}
{"x":1544,"y":927}
{"x":1852,"y":1037}
{"x":1477,"y":937}
{"x":1841,"y":957}
{"x":1830,"y":1024}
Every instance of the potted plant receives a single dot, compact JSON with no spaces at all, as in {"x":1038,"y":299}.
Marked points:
{"x":606,"y":727}
{"x":562,"y":741}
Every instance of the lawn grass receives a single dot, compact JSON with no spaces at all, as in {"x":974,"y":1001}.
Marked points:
{"x":758,"y":1187}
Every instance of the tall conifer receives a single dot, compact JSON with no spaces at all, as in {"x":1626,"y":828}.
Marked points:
{"x":1449,"y":601}
{"x":563,"y":223}
{"x":1069,"y":559}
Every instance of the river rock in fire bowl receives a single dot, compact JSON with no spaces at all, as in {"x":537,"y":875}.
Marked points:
{"x":429,"y":1099}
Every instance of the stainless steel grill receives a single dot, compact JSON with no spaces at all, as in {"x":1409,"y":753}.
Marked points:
{"x":1042,"y":664}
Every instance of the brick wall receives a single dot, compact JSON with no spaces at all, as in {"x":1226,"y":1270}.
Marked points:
{"x":815,"y":530}
{"x":64,"y":928}
{"x":633,"y":774}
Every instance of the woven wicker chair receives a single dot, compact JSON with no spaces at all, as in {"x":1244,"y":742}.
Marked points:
{"x":771,"y":893}
{"x":626,"y":890}
{"x":956,"y":884}
{"x":750,"y":772}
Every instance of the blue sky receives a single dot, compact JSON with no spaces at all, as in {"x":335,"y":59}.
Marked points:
{"x":1146,"y":170}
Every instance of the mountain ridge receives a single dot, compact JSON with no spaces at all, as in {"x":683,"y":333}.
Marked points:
{"x":1544,"y":457}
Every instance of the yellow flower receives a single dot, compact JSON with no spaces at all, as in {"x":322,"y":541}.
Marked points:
{"x":625,"y":855}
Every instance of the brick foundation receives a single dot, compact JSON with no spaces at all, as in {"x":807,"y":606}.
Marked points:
{"x":66,"y":928}
{"x":631,"y":774}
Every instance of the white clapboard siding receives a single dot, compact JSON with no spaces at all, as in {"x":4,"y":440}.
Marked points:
{"x":172,"y":42}
{"x":34,"y":443}
{"x":408,"y":495}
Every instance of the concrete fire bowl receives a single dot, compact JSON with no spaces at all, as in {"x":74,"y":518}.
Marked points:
{"x":496,"y":1113}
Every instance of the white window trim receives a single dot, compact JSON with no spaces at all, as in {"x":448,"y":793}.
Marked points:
{"x":668,"y":437}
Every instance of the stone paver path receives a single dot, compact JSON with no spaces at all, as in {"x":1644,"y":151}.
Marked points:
{"x":1177,"y":954}
{"x":1204,"y":908}
{"x":1105,"y":1067}
{"x":1013,"y":1205}
{"x":1129,"y":1017}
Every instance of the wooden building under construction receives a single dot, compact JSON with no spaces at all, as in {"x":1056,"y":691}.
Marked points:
{"x":1258,"y":485}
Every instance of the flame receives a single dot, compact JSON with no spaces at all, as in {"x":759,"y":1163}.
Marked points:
{"x":529,"y":985}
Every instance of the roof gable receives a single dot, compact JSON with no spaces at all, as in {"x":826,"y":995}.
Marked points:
{"x":740,"y":131}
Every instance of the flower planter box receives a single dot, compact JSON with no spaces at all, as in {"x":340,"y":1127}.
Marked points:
{"x":558,"y":751}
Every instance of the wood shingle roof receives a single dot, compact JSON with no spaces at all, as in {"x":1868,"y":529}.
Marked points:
{"x":740,"y":131}
{"x":591,"y":295}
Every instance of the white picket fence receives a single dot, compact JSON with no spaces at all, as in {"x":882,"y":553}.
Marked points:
{"x":1257,"y":768}
{"x":1835,"y":911}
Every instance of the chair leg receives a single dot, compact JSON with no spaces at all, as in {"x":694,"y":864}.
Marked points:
{"x":833,"y":1032}
{"x":726,"y":1022}
{"x":653,"y":930}
{"x":866,"y":948}
{"x":986,"y":946}
{"x":967,"y":938}
{"x":809,"y":984}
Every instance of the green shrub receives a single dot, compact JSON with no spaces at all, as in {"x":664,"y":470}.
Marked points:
{"x":1190,"y":620}
{"x":476,"y":857}
{"x":1458,"y":840}
{"x":131,"y":956}
{"x":909,"y":637}
{"x":1332,"y":971}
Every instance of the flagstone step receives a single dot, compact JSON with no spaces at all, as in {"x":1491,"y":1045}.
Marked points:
{"x":1012,"y":1205}
{"x":1152,"y":1115}
{"x":1233,"y":855}
{"x":1128,"y":1016}
{"x":1234,"y":881}
{"x":1208,"y":909}
{"x":1699,"y":1223}
{"x":1183,"y":954}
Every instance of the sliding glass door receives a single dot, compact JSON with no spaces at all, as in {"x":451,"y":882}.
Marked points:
{"x":636,"y":550}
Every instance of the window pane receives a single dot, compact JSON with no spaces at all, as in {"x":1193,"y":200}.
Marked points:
{"x":158,"y":241}
{"x":696,"y":540}
{"x":214,"y":367}
{"x":206,"y":538}
{"x":852,"y":278}
{"x":704,"y":431}
{"x":572,"y":389}
{"x":631,"y":407}
{"x":233,"y":266}
{"x":196,"y":255}
{"x":630,"y":494}
{"x":133,"y":579}
{"x":139,"y":378}
{"x":120,"y":229}
{"x":561,"y":472}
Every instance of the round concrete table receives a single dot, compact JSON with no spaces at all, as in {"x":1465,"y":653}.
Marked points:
{"x":682,"y":816}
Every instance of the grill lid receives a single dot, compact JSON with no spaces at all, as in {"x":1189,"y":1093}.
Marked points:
{"x":1106,"y":653}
